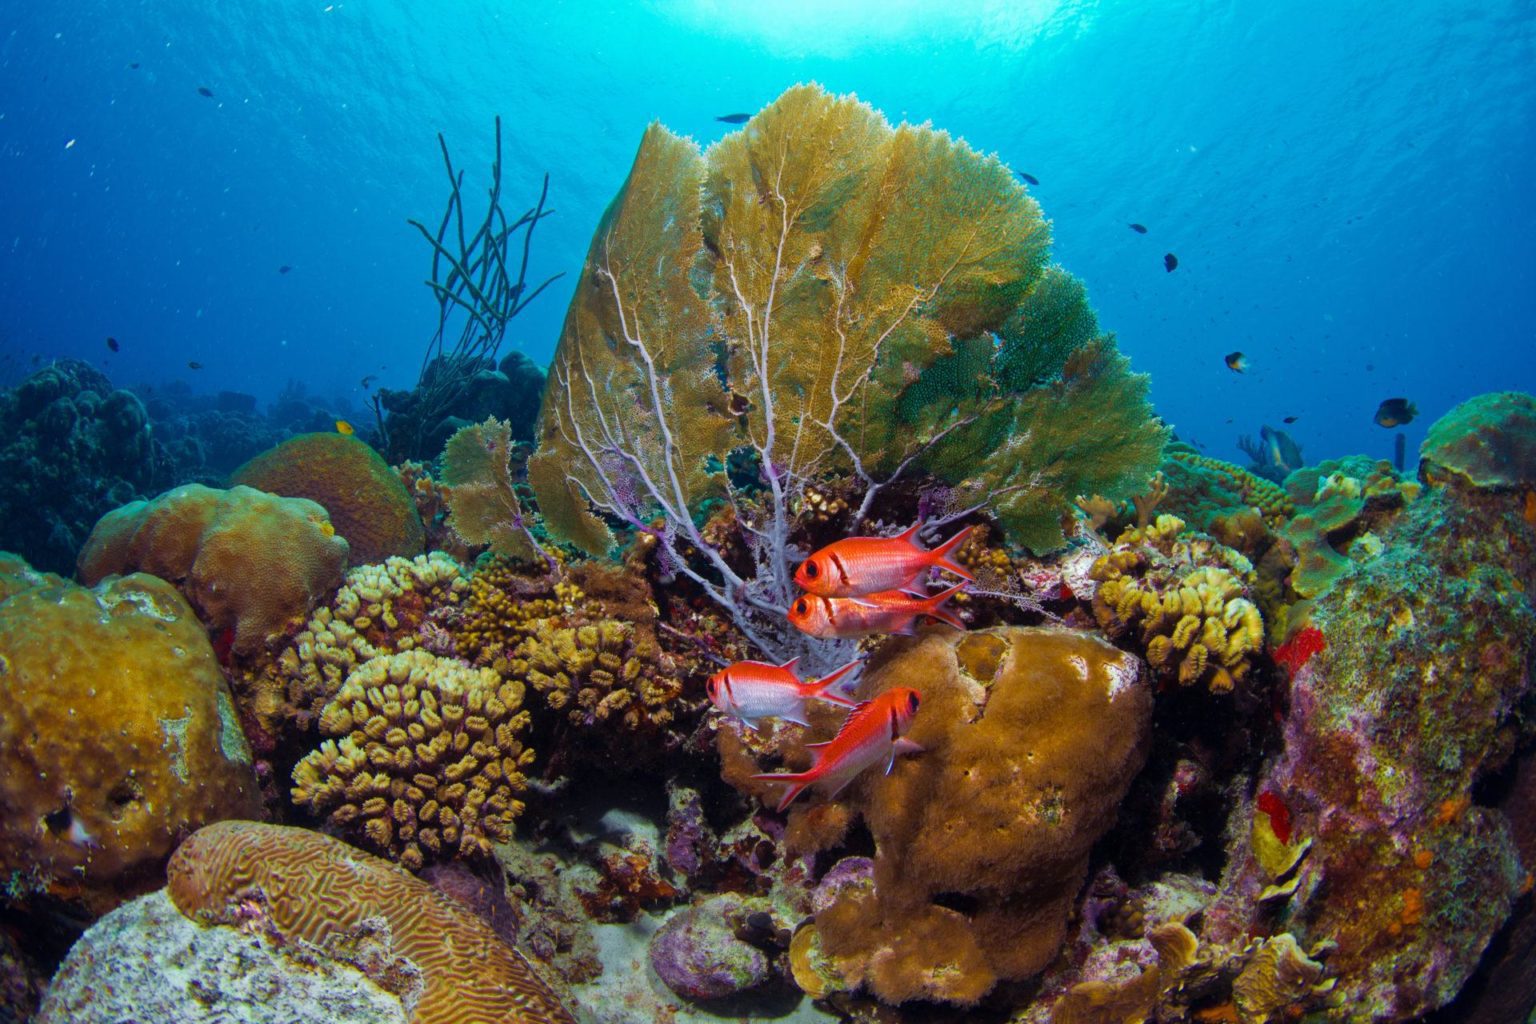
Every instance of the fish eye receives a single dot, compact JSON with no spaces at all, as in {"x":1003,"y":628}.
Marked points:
{"x":912,"y":703}
{"x":800,"y":606}
{"x":811,"y":571}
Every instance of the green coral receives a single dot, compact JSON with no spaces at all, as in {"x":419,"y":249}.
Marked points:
{"x":1488,"y":441}
{"x":1342,"y":506}
{"x":1202,"y":489}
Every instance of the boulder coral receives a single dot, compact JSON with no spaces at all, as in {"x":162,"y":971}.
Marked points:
{"x":117,"y":736}
{"x":429,"y":762}
{"x":367,"y":503}
{"x":248,"y":562}
{"x":1487,"y":442}
{"x":304,"y":886}
{"x":1183,"y":599}
{"x":1031,"y":738}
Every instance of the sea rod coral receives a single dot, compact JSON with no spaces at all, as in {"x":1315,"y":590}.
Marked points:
{"x":822,"y":298}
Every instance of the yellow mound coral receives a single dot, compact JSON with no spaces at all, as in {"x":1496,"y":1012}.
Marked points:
{"x":602,"y":670}
{"x":318,"y":890}
{"x":246,"y":560}
{"x":1031,"y":738}
{"x":379,"y":609}
{"x":117,"y":734}
{"x":366,"y":500}
{"x":1191,"y":617}
{"x":430,"y":761}
{"x":503,"y":607}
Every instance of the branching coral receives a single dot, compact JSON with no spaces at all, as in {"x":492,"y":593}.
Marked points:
{"x":823,"y":296}
{"x":1179,"y":595}
{"x":430,"y":758}
{"x":247,"y":561}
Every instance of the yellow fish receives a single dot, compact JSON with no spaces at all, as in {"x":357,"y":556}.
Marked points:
{"x":343,"y":427}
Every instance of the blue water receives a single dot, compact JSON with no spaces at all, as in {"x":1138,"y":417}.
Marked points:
{"x":1347,"y":186}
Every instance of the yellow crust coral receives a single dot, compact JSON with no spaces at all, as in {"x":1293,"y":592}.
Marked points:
{"x":246,"y":560}
{"x":1191,"y":617}
{"x":318,"y":890}
{"x":117,"y":735}
{"x":430,"y":761}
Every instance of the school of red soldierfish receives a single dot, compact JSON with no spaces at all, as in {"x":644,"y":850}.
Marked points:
{"x":854,"y":587}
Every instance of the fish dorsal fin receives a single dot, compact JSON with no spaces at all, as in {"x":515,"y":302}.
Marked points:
{"x":910,"y":533}
{"x":789,"y":666}
{"x":848,"y":722}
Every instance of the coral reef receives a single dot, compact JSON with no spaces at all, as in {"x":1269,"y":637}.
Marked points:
{"x":319,"y":890}
{"x":378,"y":610}
{"x":421,"y":420}
{"x":914,"y":326}
{"x":430,"y":758}
{"x":247,"y":561}
{"x":367,"y":503}
{"x":1201,"y":488}
{"x":71,"y":448}
{"x":1183,"y":599}
{"x":1342,"y":506}
{"x":146,"y":962}
{"x":1394,"y":727}
{"x":1031,"y":737}
{"x":117,"y":735}
{"x":697,"y":953}
{"x":1487,"y":442}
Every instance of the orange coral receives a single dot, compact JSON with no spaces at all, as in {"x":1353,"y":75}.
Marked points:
{"x":368,"y":504}
{"x":247,"y":561}
{"x":319,"y":890}
{"x":117,"y":734}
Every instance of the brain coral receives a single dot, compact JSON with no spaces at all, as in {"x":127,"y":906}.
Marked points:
{"x":379,"y":609}
{"x":1487,"y":441}
{"x":430,"y":759}
{"x":117,"y":734}
{"x":1179,"y":595}
{"x":247,"y":561}
{"x":369,"y":505}
{"x":319,"y":890}
{"x":1031,"y":738}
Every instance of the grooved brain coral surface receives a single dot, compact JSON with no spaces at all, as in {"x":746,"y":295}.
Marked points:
{"x":368,"y":504}
{"x":319,"y":889}
{"x":246,"y":560}
{"x":117,"y":735}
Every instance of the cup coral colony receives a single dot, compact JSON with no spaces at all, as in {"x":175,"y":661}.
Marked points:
{"x":846,"y":629}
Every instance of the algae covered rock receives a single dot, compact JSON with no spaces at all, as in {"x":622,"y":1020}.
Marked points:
{"x":117,"y":736}
{"x":1031,"y":738}
{"x":146,"y":962}
{"x":1488,"y":442}
{"x":697,"y":954}
{"x":248,"y":561}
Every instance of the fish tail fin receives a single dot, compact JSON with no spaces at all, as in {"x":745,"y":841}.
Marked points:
{"x":936,"y":608}
{"x":836,"y":687}
{"x":794,"y":781}
{"x":940,"y":555}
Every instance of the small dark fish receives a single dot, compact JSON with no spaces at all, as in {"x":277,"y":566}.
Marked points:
{"x":1370,"y":367}
{"x":284,"y":269}
{"x":1140,"y":229}
{"x":367,"y":382}
{"x":1395,"y":412}
{"x":112,"y":344}
{"x":1236,"y":362}
{"x":134,"y":65}
{"x":36,"y":359}
{"x":1029,"y":178}
{"x":734,"y":118}
{"x":193,"y":365}
{"x":1289,"y":419}
{"x":203,"y":90}
{"x":1170,"y":262}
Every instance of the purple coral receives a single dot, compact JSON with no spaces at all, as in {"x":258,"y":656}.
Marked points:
{"x":697,"y":954}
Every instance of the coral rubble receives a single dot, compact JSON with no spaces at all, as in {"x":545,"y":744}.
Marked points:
{"x":117,"y":735}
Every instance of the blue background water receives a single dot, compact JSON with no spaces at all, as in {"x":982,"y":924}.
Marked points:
{"x":1348,"y":186}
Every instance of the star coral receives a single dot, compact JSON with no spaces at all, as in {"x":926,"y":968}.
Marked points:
{"x":430,"y":759}
{"x":318,"y":890}
{"x":1183,"y":600}
{"x":247,"y":561}
{"x":601,"y":670}
{"x":368,"y":504}
{"x":117,"y":734}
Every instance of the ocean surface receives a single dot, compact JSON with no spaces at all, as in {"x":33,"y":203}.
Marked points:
{"x":1346,"y":186}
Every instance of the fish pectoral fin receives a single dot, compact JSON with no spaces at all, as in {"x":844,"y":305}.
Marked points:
{"x":901,"y":746}
{"x":798,"y":717}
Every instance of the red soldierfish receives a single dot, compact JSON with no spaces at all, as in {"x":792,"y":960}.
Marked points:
{"x":753,"y":690}
{"x":874,"y":732}
{"x":849,"y":617}
{"x":868,"y":565}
